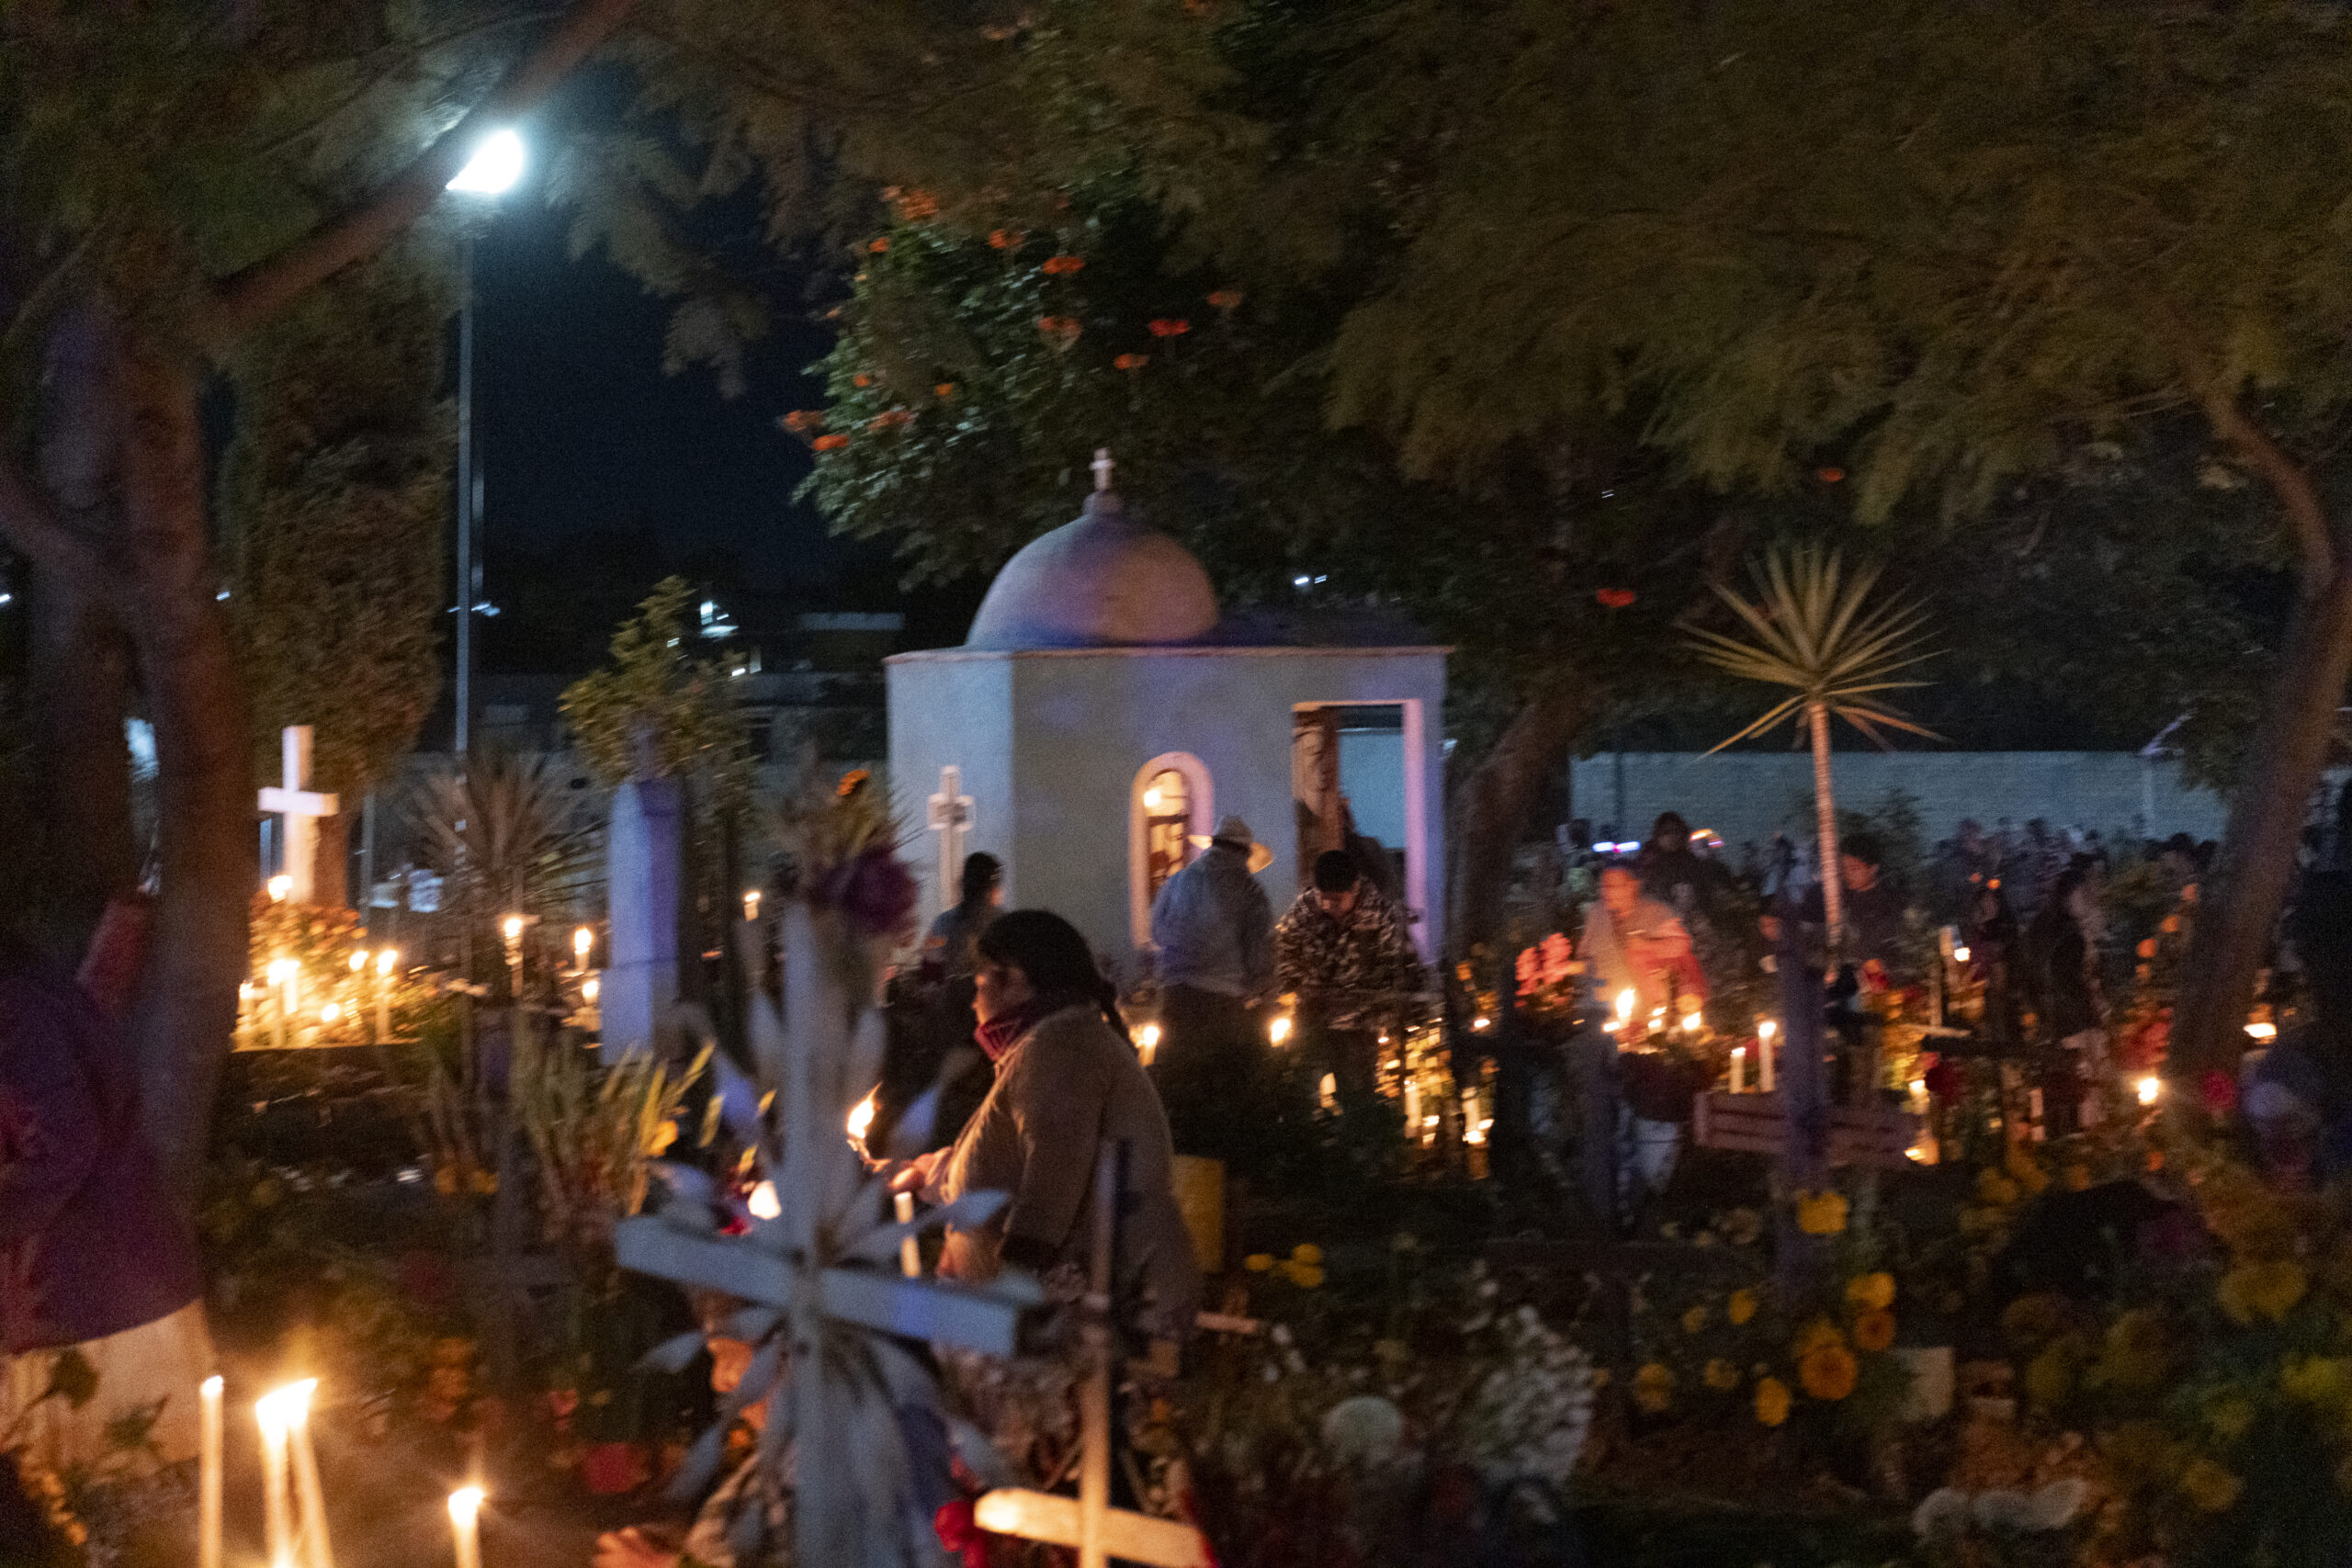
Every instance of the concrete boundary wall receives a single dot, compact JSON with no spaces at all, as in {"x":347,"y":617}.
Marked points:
{"x":1749,"y":795}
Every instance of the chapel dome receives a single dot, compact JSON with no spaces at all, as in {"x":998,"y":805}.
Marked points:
{"x":1105,"y":581}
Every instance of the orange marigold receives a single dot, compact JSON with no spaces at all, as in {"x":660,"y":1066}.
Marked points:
{"x":944,"y":389}
{"x":1007,"y":239}
{"x":1224,"y":299}
{"x":1170,"y":326}
{"x":880,"y":245}
{"x":1060,"y":331}
{"x":861,"y":380}
{"x":1830,"y":1373}
{"x":1055,"y":266}
{"x":1132,"y":361}
{"x":802,"y":421}
{"x":1875,"y":1330}
{"x":917,"y":205}
{"x":890,"y":419}
{"x":830,"y":443}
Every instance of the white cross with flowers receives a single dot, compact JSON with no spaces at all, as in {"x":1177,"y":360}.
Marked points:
{"x":300,"y":808}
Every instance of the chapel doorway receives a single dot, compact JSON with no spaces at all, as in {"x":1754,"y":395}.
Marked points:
{"x":1167,"y":829}
{"x":1349,"y":786}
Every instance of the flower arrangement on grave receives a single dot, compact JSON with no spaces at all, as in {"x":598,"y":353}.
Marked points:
{"x":1551,"y":981}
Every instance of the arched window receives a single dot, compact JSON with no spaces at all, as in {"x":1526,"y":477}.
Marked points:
{"x":1171,"y":806}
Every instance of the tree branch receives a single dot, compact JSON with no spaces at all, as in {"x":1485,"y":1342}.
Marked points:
{"x":247,"y":298}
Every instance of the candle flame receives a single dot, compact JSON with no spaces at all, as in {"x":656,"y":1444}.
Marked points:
{"x":581,"y":940}
{"x":1765,"y":1029}
{"x":282,"y":1409}
{"x":1279,"y":1030}
{"x":1959,"y":955}
{"x":2263,"y":1030}
{"x":763,"y":1202}
{"x":2152,"y":1088}
{"x":359,"y":961}
{"x":588,"y":988}
{"x":387,"y":960}
{"x":1691,"y":1022}
{"x":465,"y":1503}
{"x":280,"y":888}
{"x":331,"y":1012}
{"x":282,"y":970}
{"x":1625,"y":1000}
{"x":751,"y":903}
{"x":861,"y":1116}
{"x":210,"y":1387}
{"x":512,"y":927}
{"x":1148,"y":1042}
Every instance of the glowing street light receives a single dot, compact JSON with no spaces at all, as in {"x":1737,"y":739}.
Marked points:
{"x":496,"y":164}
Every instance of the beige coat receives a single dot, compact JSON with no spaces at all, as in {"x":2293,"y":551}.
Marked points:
{"x":1061,"y":1092}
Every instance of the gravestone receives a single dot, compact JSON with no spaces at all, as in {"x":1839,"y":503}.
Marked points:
{"x":643,"y":870}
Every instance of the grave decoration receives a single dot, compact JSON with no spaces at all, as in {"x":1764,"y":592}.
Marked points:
{"x":839,"y":1333}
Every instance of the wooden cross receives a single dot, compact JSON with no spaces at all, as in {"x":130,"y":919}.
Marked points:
{"x":1869,"y":1135}
{"x":1088,"y":1521}
{"x":299,"y":808}
{"x":950,"y":817}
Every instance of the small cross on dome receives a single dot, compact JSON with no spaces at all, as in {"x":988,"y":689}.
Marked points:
{"x":1102,"y":466}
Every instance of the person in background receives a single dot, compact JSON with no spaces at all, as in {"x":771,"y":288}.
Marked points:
{"x":1068,"y":1086}
{"x":948,"y":951}
{"x":1638,"y":944}
{"x":1699,"y":890}
{"x":1344,"y":950}
{"x":1873,"y":906}
{"x":1213,"y":928}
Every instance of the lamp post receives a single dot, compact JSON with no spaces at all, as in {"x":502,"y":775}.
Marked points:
{"x":492,"y":170}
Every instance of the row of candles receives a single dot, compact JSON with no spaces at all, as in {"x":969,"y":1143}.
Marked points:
{"x":283,"y":985}
{"x":294,"y":1514}
{"x":1621,"y":1023}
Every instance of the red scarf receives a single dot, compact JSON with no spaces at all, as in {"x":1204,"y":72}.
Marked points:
{"x":1004,"y":1032}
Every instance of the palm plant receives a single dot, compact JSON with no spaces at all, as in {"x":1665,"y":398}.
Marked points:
{"x":503,"y":836}
{"x":1815,"y":630}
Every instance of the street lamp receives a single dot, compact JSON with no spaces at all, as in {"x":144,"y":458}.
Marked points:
{"x":496,"y":164}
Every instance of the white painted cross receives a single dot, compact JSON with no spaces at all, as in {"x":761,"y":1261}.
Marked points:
{"x":950,"y":817}
{"x":1102,"y":466}
{"x":299,"y":808}
{"x":1088,"y":1521}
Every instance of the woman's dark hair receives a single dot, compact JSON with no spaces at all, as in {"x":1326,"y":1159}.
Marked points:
{"x":982,"y":871}
{"x":1059,"y":965}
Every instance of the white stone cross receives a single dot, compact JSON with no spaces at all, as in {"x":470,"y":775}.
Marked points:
{"x":950,"y":817}
{"x":1102,"y":466}
{"x":300,"y":808}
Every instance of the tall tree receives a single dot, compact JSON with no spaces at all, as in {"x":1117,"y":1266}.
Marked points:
{"x":1940,"y":246}
{"x":177,"y":174}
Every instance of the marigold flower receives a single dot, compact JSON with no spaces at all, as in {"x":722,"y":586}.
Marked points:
{"x":1817,"y":1335}
{"x":1306,"y":1276}
{"x":2170,"y":925}
{"x":1831,"y":476}
{"x":1169,"y":326}
{"x":944,"y":389}
{"x":1821,"y":1214}
{"x":2263,"y":1289}
{"x":1132,"y":361}
{"x":916,"y":206}
{"x":1614,"y":598}
{"x":1654,"y":1387}
{"x":878,"y":246}
{"x":1006,"y":238}
{"x":851,"y":782}
{"x":802,"y":421}
{"x":1224,"y":299}
{"x":1721,"y":1375}
{"x":1741,"y":1307}
{"x":1694,"y":1320}
{"x":2210,"y":1487}
{"x":1830,"y":1373}
{"x":1772,"y":1401}
{"x":1258,"y":1262}
{"x":830,"y":443}
{"x":1875,"y":1330}
{"x":1060,"y":331}
{"x":1871,"y":1291}
{"x":890,"y":419}
{"x":1306,"y":1252}
{"x":2147,"y":948}
{"x":861,"y":380}
{"x":1058,"y":266}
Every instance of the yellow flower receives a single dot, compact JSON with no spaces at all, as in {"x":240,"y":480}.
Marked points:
{"x":2171,"y":926}
{"x":444,"y":1182}
{"x":484,"y":1182}
{"x":2209,"y":1486}
{"x":1306,"y":1252}
{"x":1821,"y":1214}
{"x":1828,"y":1372}
{"x":1771,"y":1402}
{"x":1654,"y":1387}
{"x":1741,"y":1307}
{"x":664,"y":1135}
{"x":2026,"y":1170}
{"x":2270,"y":1289}
{"x":1258,"y":1262}
{"x":1875,"y":1330}
{"x":2317,"y":1380}
{"x":1721,"y":1375}
{"x":2050,"y":1377}
{"x":1815,"y":1336}
{"x":1694,"y":1320}
{"x":2230,"y":1416}
{"x":1306,"y":1276}
{"x":1871,"y":1292}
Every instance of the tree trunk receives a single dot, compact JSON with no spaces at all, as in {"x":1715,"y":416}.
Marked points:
{"x":2259,"y":850}
{"x":1496,"y":800}
{"x":1824,"y":813}
{"x":77,"y":691}
{"x":185,"y":1010}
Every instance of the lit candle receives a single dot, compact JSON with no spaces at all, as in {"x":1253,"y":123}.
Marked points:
{"x":311,"y":1526}
{"x":277,"y":1505}
{"x":281,"y":974}
{"x":465,"y":1522}
{"x":1148,"y":1042}
{"x":1739,"y":1068}
{"x":1413,"y":1108}
{"x":1764,"y":1032}
{"x":909,"y":1250}
{"x":581,"y":940}
{"x":207,"y":1495}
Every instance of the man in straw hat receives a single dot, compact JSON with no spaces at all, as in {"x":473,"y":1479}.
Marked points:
{"x":1214,"y":930}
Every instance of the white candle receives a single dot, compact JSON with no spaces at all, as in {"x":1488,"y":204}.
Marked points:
{"x":316,"y":1550}
{"x":909,"y":1250}
{"x":465,"y":1523}
{"x":278,"y":1512}
{"x":1413,"y":1109}
{"x":207,"y":1495}
{"x":1764,"y":1032}
{"x":1739,"y":1068}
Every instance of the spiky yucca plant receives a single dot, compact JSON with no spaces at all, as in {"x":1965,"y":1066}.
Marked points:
{"x":1815,"y":631}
